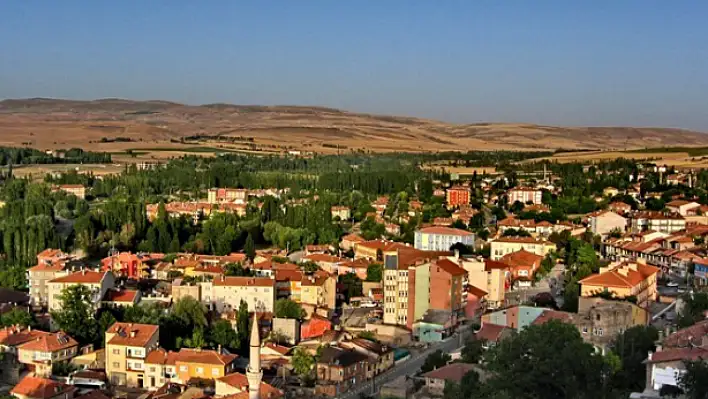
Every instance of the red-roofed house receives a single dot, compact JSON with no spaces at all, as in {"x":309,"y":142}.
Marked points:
{"x":32,"y":387}
{"x":40,"y":353}
{"x":127,"y":347}
{"x":523,"y":265}
{"x":232,"y":385}
{"x":121,"y":297}
{"x":623,"y":279}
{"x":435,"y":380}
{"x":98,"y":283}
{"x":315,"y":327}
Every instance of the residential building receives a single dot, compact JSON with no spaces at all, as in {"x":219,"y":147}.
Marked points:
{"x":129,"y":264}
{"x":350,"y":241}
{"x":605,"y":222}
{"x":619,"y":207}
{"x":202,"y":363}
{"x":32,"y":387}
{"x":406,"y":283}
{"x":380,"y":355}
{"x":341,"y":212}
{"x":40,"y":354}
{"x":220,"y":195}
{"x":121,"y":297}
{"x":446,"y":286}
{"x":683,"y":207}
{"x":667,"y":364}
{"x":457,"y":196}
{"x":257,"y":292}
{"x":441,"y":238}
{"x":338,"y":370}
{"x":196,"y":210}
{"x":436,"y":380}
{"x":506,"y":245}
{"x":623,"y":279}
{"x":657,"y":221}
{"x":51,"y":263}
{"x":373,"y":249}
{"x":320,"y":289}
{"x":525,"y":195}
{"x":523,"y":265}
{"x":126,"y":348}
{"x":235,"y":386}
{"x":491,"y":276}
{"x":435,"y":325}
{"x":98,"y":283}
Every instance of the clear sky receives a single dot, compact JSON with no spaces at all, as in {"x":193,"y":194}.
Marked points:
{"x":572,"y":62}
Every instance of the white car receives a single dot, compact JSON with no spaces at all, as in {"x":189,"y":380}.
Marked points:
{"x":672,"y":284}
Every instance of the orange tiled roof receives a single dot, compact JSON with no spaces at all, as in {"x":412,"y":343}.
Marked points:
{"x":50,"y":342}
{"x":131,"y":334}
{"x":524,"y":240}
{"x":13,"y":336}
{"x":40,"y":388}
{"x":522,"y":258}
{"x":450,"y":267}
{"x":239,"y":381}
{"x":491,"y":332}
{"x":115,"y":295}
{"x":48,"y":267}
{"x":82,"y":277}
{"x":451,"y":372}
{"x":161,"y":356}
{"x":613,"y":277}
{"x":203,"y":356}
{"x":322,"y":258}
{"x":549,"y":314}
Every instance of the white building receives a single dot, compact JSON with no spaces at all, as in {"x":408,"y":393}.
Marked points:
{"x":439,"y":238}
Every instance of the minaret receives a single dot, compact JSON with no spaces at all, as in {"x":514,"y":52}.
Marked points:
{"x":254,"y":374}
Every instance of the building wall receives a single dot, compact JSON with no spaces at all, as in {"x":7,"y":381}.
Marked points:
{"x":100,"y":289}
{"x":500,"y":248}
{"x":39,"y":287}
{"x":261,"y":299}
{"x":440,"y":242}
{"x":422,"y":292}
{"x":117,"y":360}
{"x":606,"y":223}
{"x":186,"y":371}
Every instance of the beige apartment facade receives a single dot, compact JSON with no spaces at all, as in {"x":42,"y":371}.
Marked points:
{"x":127,"y":347}
{"x":98,"y":282}
{"x":257,"y":292}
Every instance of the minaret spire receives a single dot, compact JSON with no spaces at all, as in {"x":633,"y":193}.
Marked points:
{"x":254,"y":374}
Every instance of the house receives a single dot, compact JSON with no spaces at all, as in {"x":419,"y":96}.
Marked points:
{"x":657,"y":221}
{"x":257,"y":292}
{"x":127,"y":347}
{"x":338,"y":370}
{"x":605,"y":222}
{"x":374,"y":248}
{"x":315,"y":326}
{"x":220,"y":195}
{"x":73,"y":189}
{"x":41,"y":353}
{"x":184,"y":366}
{"x":523,"y":265}
{"x":456,"y":196}
{"x":623,"y":279}
{"x":392,"y":229}
{"x":436,"y":380}
{"x":666,"y":365}
{"x":441,"y":238}
{"x":619,"y":207}
{"x":98,"y":283}
{"x":32,"y":387}
{"x":235,"y":386}
{"x":525,"y":195}
{"x":435,"y":325}
{"x":610,"y":192}
{"x":491,"y":334}
{"x":319,"y":289}
{"x":683,"y":207}
{"x":506,"y":245}
{"x":129,"y":264}
{"x":350,"y":241}
{"x":122,"y":297}
{"x":51,"y":263}
{"x":380,"y":355}
{"x":341,"y":212}
{"x":493,"y":277}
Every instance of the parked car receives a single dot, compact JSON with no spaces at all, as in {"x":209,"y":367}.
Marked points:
{"x":672,"y":284}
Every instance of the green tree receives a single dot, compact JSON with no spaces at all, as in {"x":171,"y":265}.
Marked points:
{"x":17,"y":316}
{"x":632,"y":347}
{"x":190,"y":312}
{"x":473,"y":351}
{"x":551,"y":361}
{"x":695,"y":381}
{"x":695,"y":305}
{"x":288,"y":309}
{"x":75,"y":315}
{"x":435,"y":360}
{"x":105,"y":321}
{"x":242,"y":324}
{"x":302,"y":362}
{"x":470,"y":387}
{"x":249,"y":248}
{"x":222,"y":333}
{"x":374,"y":272}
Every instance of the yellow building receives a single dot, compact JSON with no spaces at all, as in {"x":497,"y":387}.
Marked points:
{"x":491,"y":276}
{"x":98,"y":282}
{"x":623,"y":279}
{"x":127,"y":346}
{"x":507,"y":245}
{"x":162,"y":366}
{"x":39,"y":354}
{"x":319,"y":289}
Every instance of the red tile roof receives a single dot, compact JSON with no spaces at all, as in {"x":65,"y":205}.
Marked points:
{"x":82,"y":277}
{"x":40,"y":388}
{"x":445,"y":230}
{"x":451,"y":372}
{"x":614,"y":278}
{"x":548,"y":315}
{"x":13,"y":336}
{"x":50,"y":342}
{"x":686,"y":337}
{"x":478,"y":292}
{"x":131,"y":334}
{"x":522,"y":258}
{"x":450,"y":267}
{"x":493,"y":264}
{"x":161,"y":356}
{"x":674,"y":354}
{"x":204,"y":356}
{"x":239,"y":381}
{"x":491,"y":332}
{"x":115,"y":295}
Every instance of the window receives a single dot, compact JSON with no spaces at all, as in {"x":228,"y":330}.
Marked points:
{"x":599,"y":331}
{"x":597,"y":316}
{"x":214,"y":371}
{"x":200,"y":370}
{"x":585,"y":330}
{"x":116,"y":365}
{"x":116,"y":351}
{"x":152,"y":369}
{"x":182,"y":368}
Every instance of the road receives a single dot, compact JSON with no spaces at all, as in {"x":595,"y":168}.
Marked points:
{"x":409,"y":367}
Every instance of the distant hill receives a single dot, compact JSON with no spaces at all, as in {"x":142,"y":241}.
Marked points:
{"x":51,"y":123}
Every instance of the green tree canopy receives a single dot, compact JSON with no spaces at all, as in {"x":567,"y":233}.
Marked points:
{"x":76,"y":314}
{"x":288,"y":309}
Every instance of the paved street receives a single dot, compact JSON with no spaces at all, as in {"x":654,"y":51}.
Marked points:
{"x":409,"y":367}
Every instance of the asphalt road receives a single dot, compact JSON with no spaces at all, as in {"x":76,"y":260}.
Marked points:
{"x":409,"y":367}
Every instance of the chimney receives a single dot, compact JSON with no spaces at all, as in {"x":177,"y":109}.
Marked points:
{"x":622,"y":270}
{"x":133,"y":333}
{"x":457,"y":254}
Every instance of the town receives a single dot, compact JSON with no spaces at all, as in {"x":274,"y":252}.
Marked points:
{"x":356,"y":276}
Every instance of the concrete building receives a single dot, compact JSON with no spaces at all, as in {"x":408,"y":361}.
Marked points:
{"x":605,"y":222}
{"x":98,"y":283}
{"x":257,"y":292}
{"x":623,"y":279}
{"x":180,"y":367}
{"x":507,"y":245}
{"x":491,"y":276}
{"x":40,"y":354}
{"x":51,"y":263}
{"x":446,"y":286}
{"x":525,"y":195}
{"x":457,"y":196}
{"x":338,"y":370}
{"x":219,"y":195}
{"x":341,"y":212}
{"x":683,"y":207}
{"x":436,"y":380}
{"x":319,"y":289}
{"x":127,"y":347}
{"x":32,"y":387}
{"x":666,"y":223}
{"x":441,"y":238}
{"x":73,"y":189}
{"x":523,"y":265}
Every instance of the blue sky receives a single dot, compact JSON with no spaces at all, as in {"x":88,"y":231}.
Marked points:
{"x":579,"y":62}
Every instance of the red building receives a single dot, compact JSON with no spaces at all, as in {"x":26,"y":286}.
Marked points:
{"x":457,"y":196}
{"x":446,"y":279}
{"x":315,"y":327}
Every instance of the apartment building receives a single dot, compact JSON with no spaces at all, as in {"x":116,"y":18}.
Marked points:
{"x":457,"y":196}
{"x":319,"y":289}
{"x":41,"y":353}
{"x":506,"y":245}
{"x":623,"y":279}
{"x":374,"y":249}
{"x":523,"y":265}
{"x":219,"y":195}
{"x":98,"y":282}
{"x":163,"y":367}
{"x":258,"y":292}
{"x":51,"y":263}
{"x":341,"y":212}
{"x":663,"y":222}
{"x":605,"y":222}
{"x":525,"y":195}
{"x":127,"y":346}
{"x":683,"y":207}
{"x":492,"y":277}
{"x":446,"y":286}
{"x":441,"y":238}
